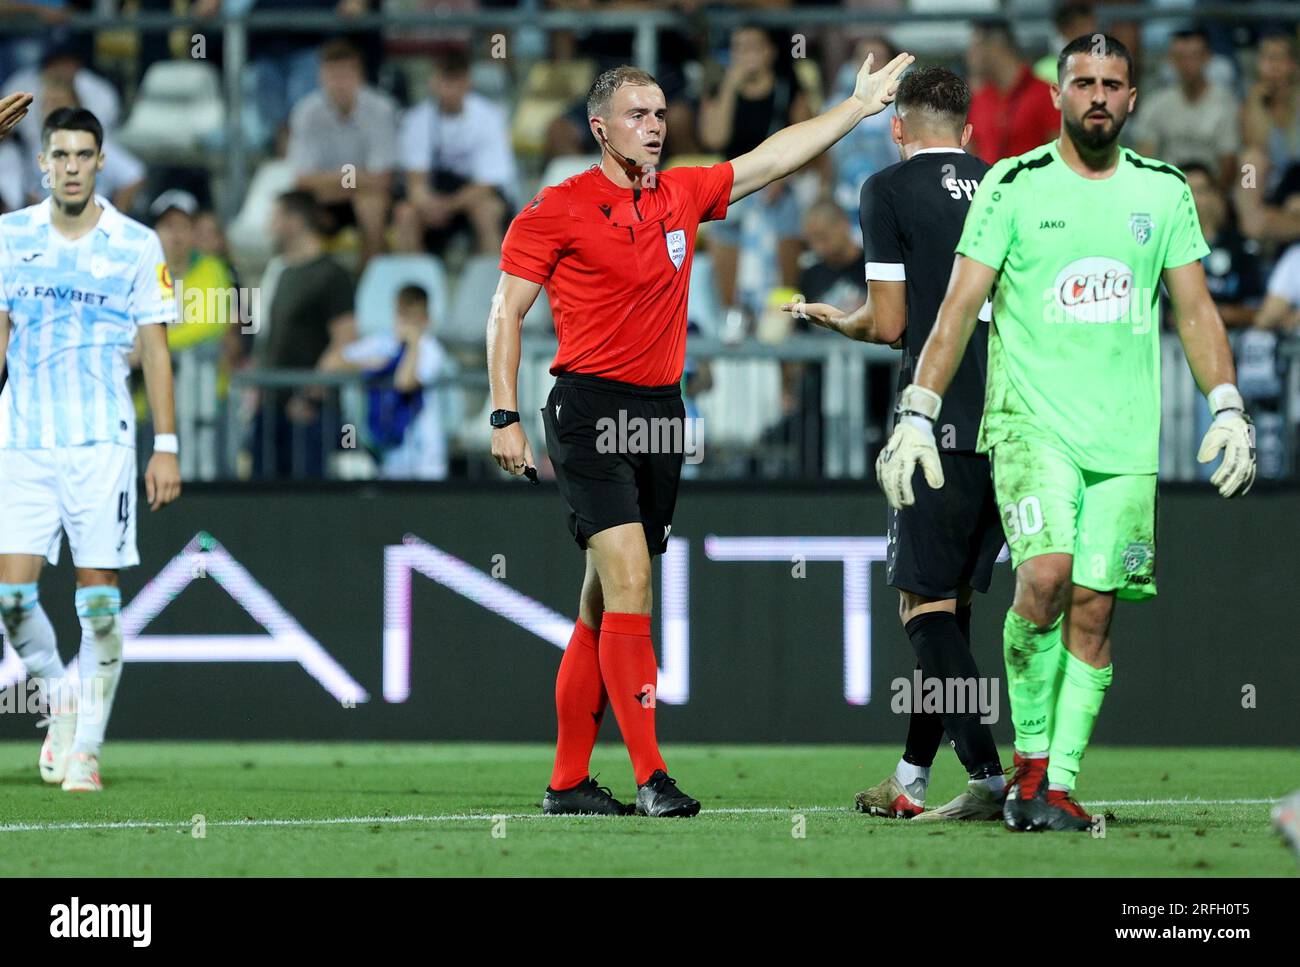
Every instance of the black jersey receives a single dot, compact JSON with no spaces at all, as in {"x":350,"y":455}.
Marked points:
{"x":912,"y":216}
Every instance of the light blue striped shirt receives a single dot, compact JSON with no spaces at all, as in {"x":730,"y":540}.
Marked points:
{"x":73,"y":307}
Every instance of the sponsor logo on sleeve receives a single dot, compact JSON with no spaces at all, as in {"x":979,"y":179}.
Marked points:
{"x":166,"y":287}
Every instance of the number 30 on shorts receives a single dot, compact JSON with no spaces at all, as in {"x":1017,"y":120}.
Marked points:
{"x":1022,"y":517}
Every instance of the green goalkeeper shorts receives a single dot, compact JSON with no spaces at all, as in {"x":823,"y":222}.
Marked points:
{"x":1049,"y":505}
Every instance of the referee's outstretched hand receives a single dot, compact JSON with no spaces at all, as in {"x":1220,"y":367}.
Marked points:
{"x":877,"y":90}
{"x":510,"y":449}
{"x":13,"y":108}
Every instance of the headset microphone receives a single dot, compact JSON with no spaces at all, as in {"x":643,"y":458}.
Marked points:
{"x":632,"y":168}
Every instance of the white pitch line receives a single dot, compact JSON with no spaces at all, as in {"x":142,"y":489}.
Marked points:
{"x":493,"y":817}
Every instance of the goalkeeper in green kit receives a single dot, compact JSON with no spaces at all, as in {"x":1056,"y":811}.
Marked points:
{"x":1073,"y":239}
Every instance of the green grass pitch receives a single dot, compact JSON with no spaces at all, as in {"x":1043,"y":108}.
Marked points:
{"x":351,"y":809}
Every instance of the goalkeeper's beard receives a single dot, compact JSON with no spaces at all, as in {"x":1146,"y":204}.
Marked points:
{"x":1093,"y":138}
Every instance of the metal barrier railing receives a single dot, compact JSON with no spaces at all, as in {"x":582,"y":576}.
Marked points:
{"x":830,"y":433}
{"x":1289,"y":353}
{"x":263,"y":439}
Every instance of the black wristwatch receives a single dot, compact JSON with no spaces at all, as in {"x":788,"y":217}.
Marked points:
{"x":500,"y":418}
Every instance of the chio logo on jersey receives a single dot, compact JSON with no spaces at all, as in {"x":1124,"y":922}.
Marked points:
{"x":1094,"y":289}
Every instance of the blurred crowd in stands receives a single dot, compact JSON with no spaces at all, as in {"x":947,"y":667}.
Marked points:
{"x":389,"y":164}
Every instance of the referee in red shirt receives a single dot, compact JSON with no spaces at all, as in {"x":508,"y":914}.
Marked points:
{"x":612,"y":247}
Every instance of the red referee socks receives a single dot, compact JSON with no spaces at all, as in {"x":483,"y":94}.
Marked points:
{"x":580,"y":702}
{"x":627,"y":663}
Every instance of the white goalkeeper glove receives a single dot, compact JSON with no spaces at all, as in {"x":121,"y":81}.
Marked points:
{"x":911,"y":443}
{"x":1232,"y":433}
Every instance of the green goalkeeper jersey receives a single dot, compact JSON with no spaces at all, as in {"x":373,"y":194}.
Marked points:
{"x":1074,"y":349}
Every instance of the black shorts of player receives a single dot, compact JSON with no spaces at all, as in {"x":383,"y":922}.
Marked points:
{"x":949,"y":537}
{"x":591,"y":427}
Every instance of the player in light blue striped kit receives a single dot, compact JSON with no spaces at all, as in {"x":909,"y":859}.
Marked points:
{"x":78,"y":282}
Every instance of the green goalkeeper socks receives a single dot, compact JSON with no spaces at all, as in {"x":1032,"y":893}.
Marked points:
{"x":1077,"y":703}
{"x":1032,"y":658}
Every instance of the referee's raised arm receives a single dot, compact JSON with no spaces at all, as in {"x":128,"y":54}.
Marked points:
{"x":513,"y":298}
{"x":791,"y":148}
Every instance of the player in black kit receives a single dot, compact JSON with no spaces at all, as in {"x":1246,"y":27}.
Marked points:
{"x":945,"y":544}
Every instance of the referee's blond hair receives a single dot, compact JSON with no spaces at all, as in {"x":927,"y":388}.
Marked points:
{"x":602,"y":90}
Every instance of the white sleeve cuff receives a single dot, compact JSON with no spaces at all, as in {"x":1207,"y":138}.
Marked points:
{"x":886,"y":272}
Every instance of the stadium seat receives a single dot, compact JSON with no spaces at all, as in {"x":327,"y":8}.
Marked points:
{"x":809,"y":76}
{"x":702,"y":305}
{"x":467,"y":320}
{"x":566,"y":166}
{"x":249,"y":233}
{"x":178,"y":109}
{"x":940,"y":38}
{"x":477,"y":283}
{"x":539,"y":318}
{"x":376,"y":303}
{"x":1033,"y":23}
{"x":693,"y":160}
{"x":533,"y":115}
{"x":473,"y":435}
{"x":744,"y":401}
{"x":548,"y":91}
{"x":564,"y":80}
{"x":491,"y":79}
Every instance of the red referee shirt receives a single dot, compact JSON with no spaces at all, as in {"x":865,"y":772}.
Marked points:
{"x":1011,"y":124}
{"x":616,"y":269}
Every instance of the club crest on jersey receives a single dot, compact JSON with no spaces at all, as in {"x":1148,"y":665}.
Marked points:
{"x":1141,"y":225}
{"x":676,"y":242}
{"x":99,"y":266}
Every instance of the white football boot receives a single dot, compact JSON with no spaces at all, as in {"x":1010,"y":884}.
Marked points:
{"x":890,"y":798}
{"x":53,"y":762}
{"x":978,"y":803}
{"x":83,"y":774}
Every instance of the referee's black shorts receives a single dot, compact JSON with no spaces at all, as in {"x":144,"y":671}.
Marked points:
{"x":949,"y":537}
{"x":606,"y":485}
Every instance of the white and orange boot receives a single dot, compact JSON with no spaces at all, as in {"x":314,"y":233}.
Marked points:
{"x":82,"y":774}
{"x":53,"y":761}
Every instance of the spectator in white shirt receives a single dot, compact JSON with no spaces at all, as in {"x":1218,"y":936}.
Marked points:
{"x":1281,"y":308}
{"x":408,"y":411}
{"x":459,"y":166}
{"x":63,"y":65}
{"x":1193,"y":120}
{"x":343,"y":147}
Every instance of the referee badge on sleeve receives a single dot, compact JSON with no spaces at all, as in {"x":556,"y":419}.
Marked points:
{"x":676,"y":242}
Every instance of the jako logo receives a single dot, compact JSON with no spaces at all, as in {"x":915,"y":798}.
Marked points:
{"x":1094,"y":289}
{"x":102,"y":921}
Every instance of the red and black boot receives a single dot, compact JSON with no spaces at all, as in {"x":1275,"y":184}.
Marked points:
{"x":1027,"y":809}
